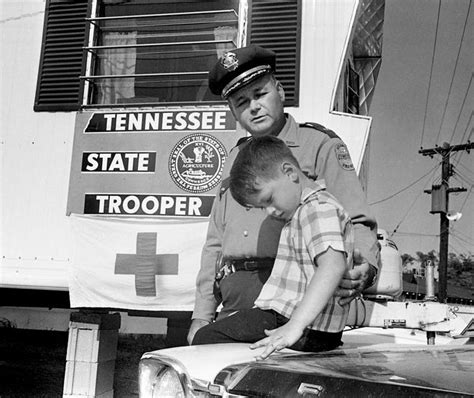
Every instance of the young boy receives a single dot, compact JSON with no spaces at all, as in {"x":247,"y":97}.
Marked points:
{"x":296,"y":307}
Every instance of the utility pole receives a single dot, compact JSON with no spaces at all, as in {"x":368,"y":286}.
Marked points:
{"x":440,"y":204}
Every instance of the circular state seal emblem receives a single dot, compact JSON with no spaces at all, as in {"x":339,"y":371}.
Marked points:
{"x":196,"y":162}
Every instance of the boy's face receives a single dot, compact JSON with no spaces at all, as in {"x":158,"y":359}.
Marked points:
{"x":258,"y":106}
{"x":279,"y":195}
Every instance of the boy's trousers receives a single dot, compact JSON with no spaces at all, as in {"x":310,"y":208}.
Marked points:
{"x":248,"y":326}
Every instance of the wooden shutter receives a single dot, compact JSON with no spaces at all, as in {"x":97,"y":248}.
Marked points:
{"x":64,"y":35}
{"x":277,"y":25}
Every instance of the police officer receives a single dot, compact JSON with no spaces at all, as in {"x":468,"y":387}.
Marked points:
{"x":241,"y":242}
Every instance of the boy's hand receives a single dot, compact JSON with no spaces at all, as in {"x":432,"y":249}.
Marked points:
{"x":279,"y":338}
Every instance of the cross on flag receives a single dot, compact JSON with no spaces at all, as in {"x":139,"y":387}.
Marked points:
{"x":145,"y":264}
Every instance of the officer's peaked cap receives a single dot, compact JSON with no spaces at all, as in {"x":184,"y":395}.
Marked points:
{"x":238,"y":67}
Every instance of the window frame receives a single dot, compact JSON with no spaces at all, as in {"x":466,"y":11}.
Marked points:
{"x":87,"y":76}
{"x":54,"y":94}
{"x":351,"y":91}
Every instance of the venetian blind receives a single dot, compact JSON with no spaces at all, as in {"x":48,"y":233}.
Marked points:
{"x":64,"y":35}
{"x":276,"y":25}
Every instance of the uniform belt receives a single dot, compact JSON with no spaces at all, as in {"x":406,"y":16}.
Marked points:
{"x":249,"y":264}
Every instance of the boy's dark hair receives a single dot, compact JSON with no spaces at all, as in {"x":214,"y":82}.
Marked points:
{"x":258,"y":157}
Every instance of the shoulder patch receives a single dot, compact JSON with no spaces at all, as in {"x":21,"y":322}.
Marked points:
{"x":321,"y":128}
{"x":225,"y":184}
{"x":343,"y":156}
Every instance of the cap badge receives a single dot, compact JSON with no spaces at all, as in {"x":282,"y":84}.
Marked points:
{"x":229,"y":61}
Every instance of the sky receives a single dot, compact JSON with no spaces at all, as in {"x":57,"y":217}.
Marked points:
{"x":423,"y":98}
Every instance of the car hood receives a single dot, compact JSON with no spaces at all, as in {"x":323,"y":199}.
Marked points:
{"x":385,"y":370}
{"x":204,"y":362}
{"x":393,"y":369}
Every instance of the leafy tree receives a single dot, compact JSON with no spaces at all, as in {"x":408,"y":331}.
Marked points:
{"x":467,"y":262}
{"x":407,"y":258}
{"x":454,"y":262}
{"x":423,"y":258}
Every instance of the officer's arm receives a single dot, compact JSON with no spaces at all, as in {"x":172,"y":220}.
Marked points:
{"x":343,"y":183}
{"x":205,"y":304}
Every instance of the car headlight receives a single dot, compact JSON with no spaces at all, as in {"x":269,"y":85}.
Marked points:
{"x":160,"y":376}
{"x":161,"y":379}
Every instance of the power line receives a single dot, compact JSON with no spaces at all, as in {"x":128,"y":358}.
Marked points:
{"x":458,"y":155}
{"x":465,"y":200}
{"x":470,"y":134}
{"x":469,"y":174}
{"x":456,"y":172}
{"x":413,"y":203}
{"x":460,"y":243}
{"x":454,"y":250}
{"x":454,"y":72}
{"x":463,"y":179}
{"x":461,"y":108}
{"x":469,"y":171}
{"x":403,"y":218}
{"x":417,"y":234}
{"x":461,"y":239}
{"x":431,"y":73}
{"x":467,"y":237}
{"x":404,"y":189}
{"x":464,"y":137}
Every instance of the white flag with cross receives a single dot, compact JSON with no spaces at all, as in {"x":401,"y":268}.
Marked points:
{"x":135,"y":263}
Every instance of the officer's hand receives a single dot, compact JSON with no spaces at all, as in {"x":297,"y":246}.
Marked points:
{"x":355,"y":280}
{"x":196,"y":324}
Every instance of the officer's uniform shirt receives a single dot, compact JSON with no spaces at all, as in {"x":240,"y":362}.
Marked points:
{"x":239,"y":232}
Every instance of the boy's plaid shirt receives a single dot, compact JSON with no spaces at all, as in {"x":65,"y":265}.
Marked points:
{"x":319,"y":222}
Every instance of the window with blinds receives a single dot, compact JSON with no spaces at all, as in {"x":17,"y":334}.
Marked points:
{"x":159,"y":52}
{"x":145,"y":53}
